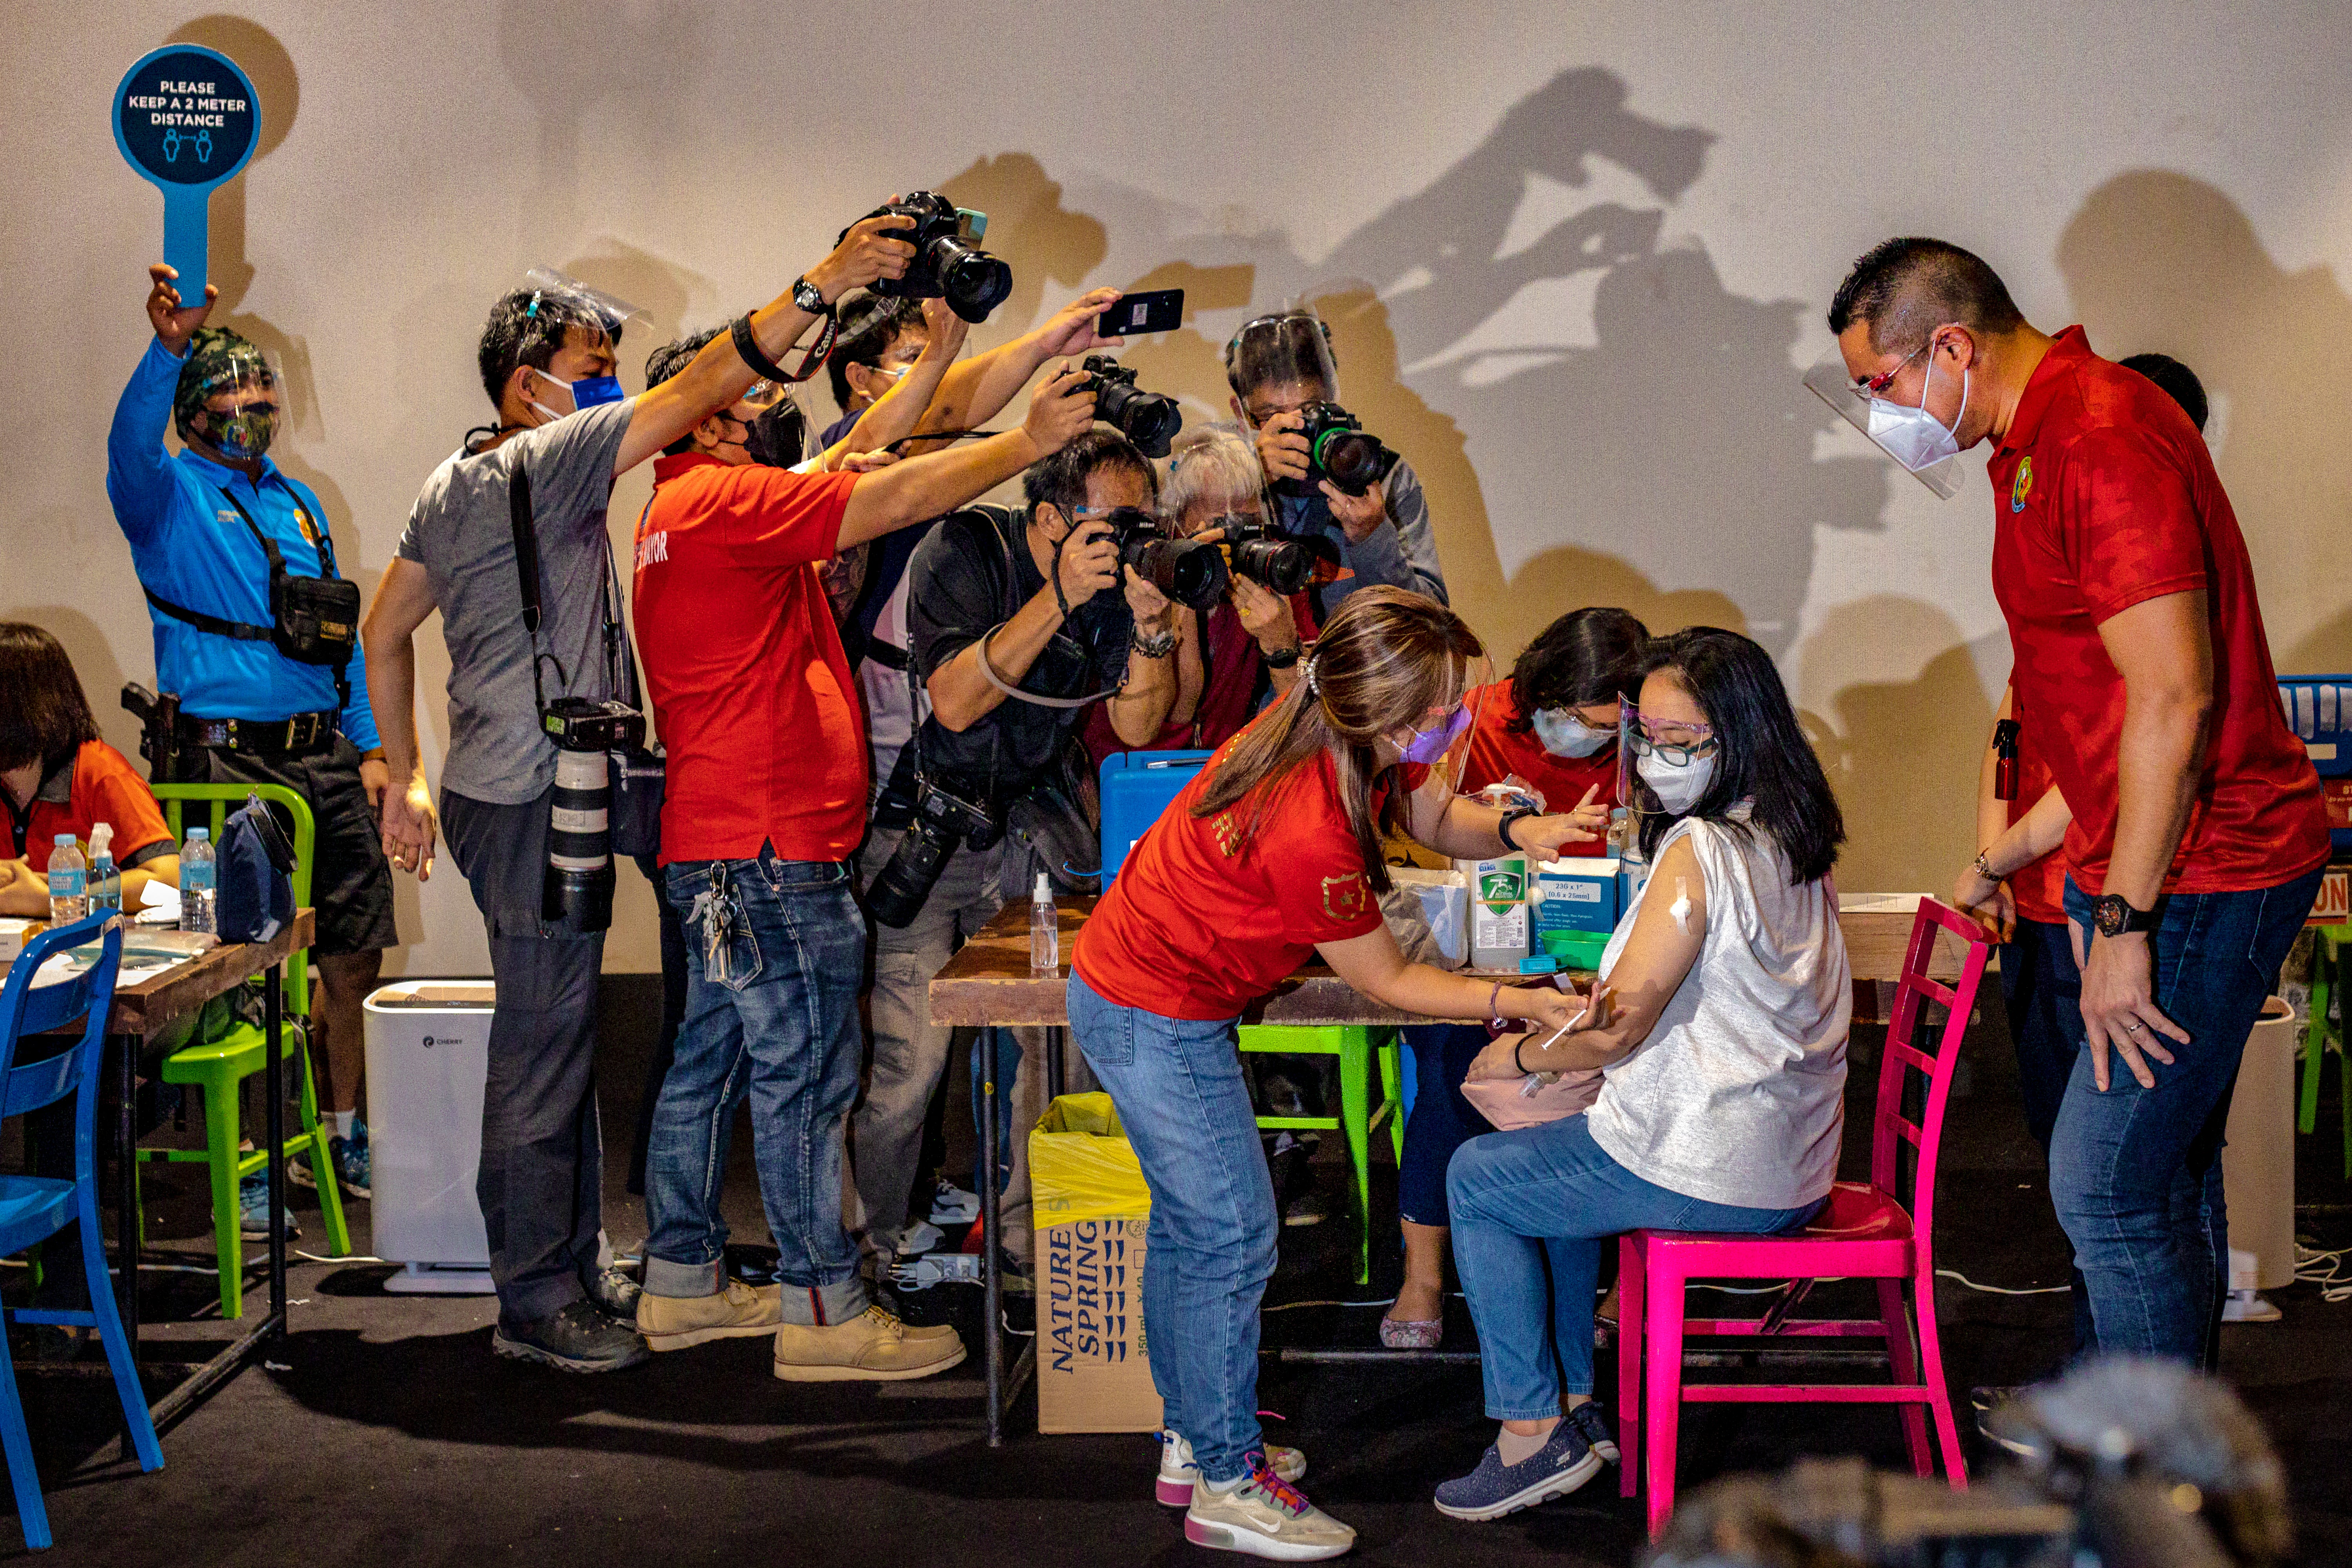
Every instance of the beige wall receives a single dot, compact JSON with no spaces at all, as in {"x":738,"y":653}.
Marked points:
{"x":1575,"y":256}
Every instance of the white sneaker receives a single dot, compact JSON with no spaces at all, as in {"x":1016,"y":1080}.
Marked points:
{"x":1265,"y":1517}
{"x":950,"y":1204}
{"x":1178,"y":1472}
{"x":919,"y":1238}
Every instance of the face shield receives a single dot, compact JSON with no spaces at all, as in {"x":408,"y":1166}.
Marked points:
{"x":232,"y":399}
{"x":574,"y":300}
{"x":1915,"y":438}
{"x":1280,"y":363}
{"x":1442,"y":737}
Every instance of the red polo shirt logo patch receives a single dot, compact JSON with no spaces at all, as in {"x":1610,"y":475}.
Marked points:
{"x":2022,"y":486}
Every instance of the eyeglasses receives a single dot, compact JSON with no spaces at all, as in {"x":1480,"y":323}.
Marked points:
{"x":1675,"y":741}
{"x":1873,"y":385}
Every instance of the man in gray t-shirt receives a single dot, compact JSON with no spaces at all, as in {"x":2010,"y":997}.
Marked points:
{"x":547,"y":359}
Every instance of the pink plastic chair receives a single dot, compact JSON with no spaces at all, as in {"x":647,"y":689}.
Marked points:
{"x":1864,"y":1233}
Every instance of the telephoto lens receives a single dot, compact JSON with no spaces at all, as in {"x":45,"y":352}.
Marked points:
{"x":895,"y":895}
{"x":1192,"y":572}
{"x":1338,"y":449}
{"x":1149,"y":419}
{"x":1271,"y":559}
{"x":578,"y":897}
{"x":972,"y":281}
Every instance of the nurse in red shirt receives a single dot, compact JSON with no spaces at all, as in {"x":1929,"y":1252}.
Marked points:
{"x":1551,"y":728}
{"x":1270,"y":856}
{"x":2197,"y":837}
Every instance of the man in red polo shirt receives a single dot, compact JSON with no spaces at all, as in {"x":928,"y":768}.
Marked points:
{"x":2198,"y":839}
{"x":765,"y":802}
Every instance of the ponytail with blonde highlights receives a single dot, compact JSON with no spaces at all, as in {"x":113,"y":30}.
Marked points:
{"x":1386,"y":657}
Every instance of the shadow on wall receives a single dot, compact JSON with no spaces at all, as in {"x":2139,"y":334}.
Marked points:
{"x":1901,"y":750}
{"x":2157,"y":262}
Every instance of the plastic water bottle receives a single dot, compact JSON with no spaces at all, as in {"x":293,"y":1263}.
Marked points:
{"x":105,"y":881}
{"x":1045,"y":931}
{"x":69,"y":882}
{"x":199,"y":882}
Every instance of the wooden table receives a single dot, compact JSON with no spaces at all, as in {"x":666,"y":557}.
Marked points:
{"x":140,"y":1011}
{"x":988,"y":983}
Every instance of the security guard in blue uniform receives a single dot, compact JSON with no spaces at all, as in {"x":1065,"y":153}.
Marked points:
{"x":256,"y":644}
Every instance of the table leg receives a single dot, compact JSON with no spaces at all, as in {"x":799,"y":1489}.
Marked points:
{"x":274,"y":1119}
{"x":991,"y":1246}
{"x":1056,"y":1070}
{"x":126,"y":1180}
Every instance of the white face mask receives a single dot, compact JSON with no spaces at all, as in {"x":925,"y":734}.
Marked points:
{"x":1678,"y":788}
{"x":1564,"y":734}
{"x":1913,"y":437}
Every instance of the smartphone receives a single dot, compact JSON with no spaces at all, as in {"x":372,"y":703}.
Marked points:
{"x":1153,"y":310}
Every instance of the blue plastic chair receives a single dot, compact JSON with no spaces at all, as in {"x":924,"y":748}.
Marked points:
{"x":34,"y":1208}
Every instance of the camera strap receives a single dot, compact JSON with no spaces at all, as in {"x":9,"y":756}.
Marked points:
{"x":1012,"y":593}
{"x":526,"y":554}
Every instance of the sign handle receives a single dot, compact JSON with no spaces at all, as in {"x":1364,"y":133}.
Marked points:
{"x":187,"y":211}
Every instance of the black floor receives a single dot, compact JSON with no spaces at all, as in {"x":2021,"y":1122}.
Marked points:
{"x":382,"y":1431}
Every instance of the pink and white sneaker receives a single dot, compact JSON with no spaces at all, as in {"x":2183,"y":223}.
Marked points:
{"x":1178,"y":1472}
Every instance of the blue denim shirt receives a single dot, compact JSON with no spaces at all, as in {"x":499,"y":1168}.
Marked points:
{"x":188,"y":545}
{"x":1403,"y":555}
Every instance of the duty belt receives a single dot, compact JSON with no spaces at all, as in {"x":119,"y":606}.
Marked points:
{"x":298,"y":736}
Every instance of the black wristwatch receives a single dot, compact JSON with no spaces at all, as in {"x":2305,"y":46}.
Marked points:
{"x":1503,"y":828}
{"x":805,"y":295}
{"x":2114,"y":916}
{"x":1282,"y":657}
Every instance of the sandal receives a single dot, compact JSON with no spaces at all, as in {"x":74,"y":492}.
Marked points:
{"x":1406,"y":1335}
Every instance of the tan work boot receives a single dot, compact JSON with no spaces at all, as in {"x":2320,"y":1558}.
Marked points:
{"x":674,"y":1323}
{"x":873,"y":1347}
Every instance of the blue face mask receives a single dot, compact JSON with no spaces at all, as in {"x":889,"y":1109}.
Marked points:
{"x":588,"y":391}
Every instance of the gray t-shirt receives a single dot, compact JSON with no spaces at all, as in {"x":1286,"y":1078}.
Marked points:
{"x":461,"y":530}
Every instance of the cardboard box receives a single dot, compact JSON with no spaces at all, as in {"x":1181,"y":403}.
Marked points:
{"x":2333,"y":905}
{"x":1576,"y":894}
{"x":1091,"y":1210}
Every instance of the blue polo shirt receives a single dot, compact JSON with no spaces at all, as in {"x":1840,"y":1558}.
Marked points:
{"x":189,"y":546}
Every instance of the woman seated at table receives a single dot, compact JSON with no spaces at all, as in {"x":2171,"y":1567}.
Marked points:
{"x":1551,"y":728}
{"x":1240,"y":652}
{"x":1720,"y":1026}
{"x":1271,"y":855}
{"x":56,"y":777}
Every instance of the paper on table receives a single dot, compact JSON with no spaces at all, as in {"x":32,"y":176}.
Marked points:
{"x":160,"y":896}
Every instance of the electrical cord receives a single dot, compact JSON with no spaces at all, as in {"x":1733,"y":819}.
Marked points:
{"x":2325,"y":1268}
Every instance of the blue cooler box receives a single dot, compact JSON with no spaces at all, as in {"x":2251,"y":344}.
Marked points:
{"x":1136,"y":788}
{"x":2319,"y":711}
{"x":1578,"y":893}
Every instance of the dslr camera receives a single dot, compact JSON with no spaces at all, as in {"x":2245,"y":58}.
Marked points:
{"x":1268,"y":557}
{"x":1192,"y":572}
{"x":1148,"y":419}
{"x":584,"y":724}
{"x":1338,"y":449}
{"x":940,"y":822}
{"x":948,"y":263}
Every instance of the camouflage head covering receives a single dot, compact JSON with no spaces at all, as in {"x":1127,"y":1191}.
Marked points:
{"x":217,"y":357}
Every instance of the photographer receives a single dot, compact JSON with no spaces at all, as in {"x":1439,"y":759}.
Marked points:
{"x":546,"y":352}
{"x":229,"y":549}
{"x":1369,"y":515}
{"x":1235,"y":657}
{"x":1038,"y":600}
{"x":765,"y":800}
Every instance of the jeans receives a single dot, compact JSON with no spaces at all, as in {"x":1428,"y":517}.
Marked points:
{"x":1551,"y":1191}
{"x":1442,"y":1119}
{"x":2040,"y":986}
{"x":771,"y":1015}
{"x":541,"y":1181}
{"x":1210,"y":1248}
{"x":2135,"y":1173}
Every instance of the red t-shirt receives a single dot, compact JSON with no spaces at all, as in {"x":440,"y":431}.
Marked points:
{"x":103,"y":787}
{"x":1497,"y":752}
{"x":2040,"y":889}
{"x":2105,"y":497}
{"x":1206,"y":915}
{"x":749,"y":687}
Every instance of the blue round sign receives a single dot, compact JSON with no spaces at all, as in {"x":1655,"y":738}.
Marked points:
{"x":186,"y":118}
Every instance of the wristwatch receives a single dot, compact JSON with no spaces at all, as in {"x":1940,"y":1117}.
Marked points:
{"x":1159,"y":646}
{"x":2116,"y":918}
{"x":805,"y":295}
{"x":1511,"y":817}
{"x":1282,"y":657}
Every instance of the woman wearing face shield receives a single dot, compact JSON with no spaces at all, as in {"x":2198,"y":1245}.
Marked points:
{"x":1551,"y":728}
{"x":1719,"y":1025}
{"x":1236,"y":655}
{"x":1271,"y":855}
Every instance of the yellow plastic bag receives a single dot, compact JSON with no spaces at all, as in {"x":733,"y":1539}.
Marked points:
{"x":1081,"y":1166}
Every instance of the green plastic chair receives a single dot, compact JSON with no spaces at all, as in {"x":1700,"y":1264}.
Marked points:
{"x":2331,"y":972}
{"x":1354,"y":1045}
{"x":219,"y":1065}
